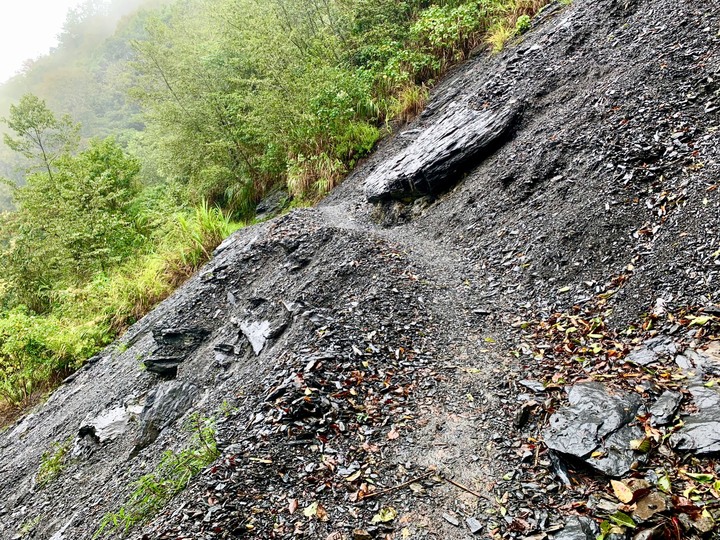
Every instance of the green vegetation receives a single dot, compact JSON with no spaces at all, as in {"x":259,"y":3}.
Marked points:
{"x":179,"y":116}
{"x":523,"y":24}
{"x":29,"y":526}
{"x":175,"y":470}
{"x":53,"y":462}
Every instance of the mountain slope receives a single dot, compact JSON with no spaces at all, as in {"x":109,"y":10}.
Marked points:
{"x":357,"y":347}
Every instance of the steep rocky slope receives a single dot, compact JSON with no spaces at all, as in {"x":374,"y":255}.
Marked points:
{"x":365,"y":359}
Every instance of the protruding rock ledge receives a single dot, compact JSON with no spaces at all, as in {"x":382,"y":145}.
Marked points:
{"x":461,"y":138}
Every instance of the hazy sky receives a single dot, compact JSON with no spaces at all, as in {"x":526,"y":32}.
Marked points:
{"x":28,"y":28}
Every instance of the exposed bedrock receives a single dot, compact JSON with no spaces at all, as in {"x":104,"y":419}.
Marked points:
{"x":460,"y":139}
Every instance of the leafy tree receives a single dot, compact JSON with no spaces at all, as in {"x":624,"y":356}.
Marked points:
{"x":39,"y":135}
{"x":73,"y":223}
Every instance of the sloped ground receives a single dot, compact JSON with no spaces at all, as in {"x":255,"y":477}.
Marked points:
{"x":352,"y":349}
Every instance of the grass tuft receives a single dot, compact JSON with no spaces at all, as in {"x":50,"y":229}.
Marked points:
{"x":152,"y":491}
{"x":53,"y":462}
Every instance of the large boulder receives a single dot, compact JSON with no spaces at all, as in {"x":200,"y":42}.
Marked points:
{"x":460,"y":139}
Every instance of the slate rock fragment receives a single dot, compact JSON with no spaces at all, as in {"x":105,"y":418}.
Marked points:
{"x":473,"y":525}
{"x":705,"y":397}
{"x":664,"y":409}
{"x":459,"y":139}
{"x":578,"y":528}
{"x":642,"y":357}
{"x":596,"y":421}
{"x":108,"y":425}
{"x":173,"y":347}
{"x":701,"y":433}
{"x":165,"y":404}
{"x":272,"y":204}
{"x":257,"y":333}
{"x":617,"y":456}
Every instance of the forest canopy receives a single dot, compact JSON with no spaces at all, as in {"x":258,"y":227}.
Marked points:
{"x":155,"y":127}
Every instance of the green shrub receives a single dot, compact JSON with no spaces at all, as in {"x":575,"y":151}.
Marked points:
{"x":523,"y":24}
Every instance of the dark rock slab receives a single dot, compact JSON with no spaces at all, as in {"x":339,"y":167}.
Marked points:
{"x":664,"y":409}
{"x":459,"y":139}
{"x":272,"y":204}
{"x":473,"y":525}
{"x":700,"y":434}
{"x":578,"y":528}
{"x":165,"y":404}
{"x":535,"y":386}
{"x":596,"y":421}
{"x":618,"y":457}
{"x":642,"y":357}
{"x":173,"y":347}
{"x":705,"y":397}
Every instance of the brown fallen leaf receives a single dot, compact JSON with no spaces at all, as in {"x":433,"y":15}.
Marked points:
{"x":622,"y":491}
{"x":292,"y":506}
{"x":321,"y":513}
{"x":393,"y":434}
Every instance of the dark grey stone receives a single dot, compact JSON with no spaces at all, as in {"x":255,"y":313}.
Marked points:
{"x":535,"y":386}
{"x":705,"y":397}
{"x":664,"y":409}
{"x":106,"y":426}
{"x":642,"y":356}
{"x":165,"y":404}
{"x":474,"y":525}
{"x":257,"y":333}
{"x":272,"y":204}
{"x":459,"y":139}
{"x":596,"y":421}
{"x":700,"y":434}
{"x":173,"y":347}
{"x":618,"y":457}
{"x":578,"y":528}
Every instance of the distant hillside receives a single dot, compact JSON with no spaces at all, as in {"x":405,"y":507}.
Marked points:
{"x":86,"y":75}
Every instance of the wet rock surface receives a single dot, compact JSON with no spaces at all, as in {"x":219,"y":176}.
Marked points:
{"x":454,"y":143}
{"x":388,"y":383}
{"x":579,"y":528}
{"x":664,"y":409}
{"x":596,"y":423}
{"x":165,"y":404}
{"x":173,"y":347}
{"x":701,"y":433}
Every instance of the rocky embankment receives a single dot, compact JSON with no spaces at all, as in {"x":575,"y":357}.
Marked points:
{"x":504,"y":324}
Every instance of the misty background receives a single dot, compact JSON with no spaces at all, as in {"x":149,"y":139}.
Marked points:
{"x":86,"y":76}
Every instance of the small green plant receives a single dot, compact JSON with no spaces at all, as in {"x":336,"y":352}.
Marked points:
{"x":523,"y":24}
{"x":172,"y":475}
{"x":227,"y":410}
{"x":29,"y":526}
{"x":53,"y":462}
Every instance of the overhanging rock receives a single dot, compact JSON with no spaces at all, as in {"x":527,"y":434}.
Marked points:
{"x":460,"y":138}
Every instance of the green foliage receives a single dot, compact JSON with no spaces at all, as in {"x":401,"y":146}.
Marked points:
{"x":34,"y":350}
{"x":523,"y":24}
{"x":152,"y":491}
{"x":193,"y":240}
{"x":29,"y":526}
{"x":7,"y":204}
{"x":53,"y":462}
{"x":71,"y":223}
{"x":40,"y":137}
